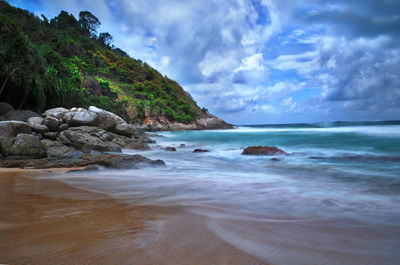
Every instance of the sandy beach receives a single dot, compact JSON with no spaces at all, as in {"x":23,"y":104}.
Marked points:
{"x":47,"y":222}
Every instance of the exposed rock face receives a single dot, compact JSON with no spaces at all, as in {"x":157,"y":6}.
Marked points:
{"x":197,"y":150}
{"x":56,"y":149}
{"x":263,"y":150}
{"x":57,"y":113}
{"x":20,"y":115}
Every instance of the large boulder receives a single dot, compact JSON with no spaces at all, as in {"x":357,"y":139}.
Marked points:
{"x":28,"y":145}
{"x":20,"y":115}
{"x":57,"y":113}
{"x":86,"y":139}
{"x":263,"y":150}
{"x":106,"y":119}
{"x":8,"y":131}
{"x":4,"y":108}
{"x":83,"y":117}
{"x":124,"y":129}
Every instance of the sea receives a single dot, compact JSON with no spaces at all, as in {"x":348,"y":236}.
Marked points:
{"x":334,"y":199}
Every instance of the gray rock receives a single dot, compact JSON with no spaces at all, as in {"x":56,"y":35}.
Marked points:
{"x":51,"y":123}
{"x":20,"y":115}
{"x":263,"y":150}
{"x":200,"y":151}
{"x":28,"y":145}
{"x":55,"y":149}
{"x":170,"y":148}
{"x":106,"y":119}
{"x":4,"y":108}
{"x":36,"y":125}
{"x":2,"y":118}
{"x":124,"y":129}
{"x":50,"y":135}
{"x":63,"y":127}
{"x":84,"y":118}
{"x":86,"y":139}
{"x":8,"y":131}
{"x":57,"y":113}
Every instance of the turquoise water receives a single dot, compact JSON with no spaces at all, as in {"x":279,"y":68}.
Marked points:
{"x":341,"y":177}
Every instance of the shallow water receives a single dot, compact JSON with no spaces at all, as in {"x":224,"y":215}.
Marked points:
{"x":334,"y":200}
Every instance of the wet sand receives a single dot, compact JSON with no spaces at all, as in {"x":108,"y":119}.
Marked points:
{"x":47,"y":222}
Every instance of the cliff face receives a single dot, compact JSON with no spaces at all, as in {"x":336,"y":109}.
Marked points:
{"x":63,"y":62}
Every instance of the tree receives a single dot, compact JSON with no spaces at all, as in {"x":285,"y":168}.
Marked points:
{"x":106,"y":38}
{"x":89,"y":22}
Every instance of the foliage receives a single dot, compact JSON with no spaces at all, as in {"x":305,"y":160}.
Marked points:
{"x":61,"y":62}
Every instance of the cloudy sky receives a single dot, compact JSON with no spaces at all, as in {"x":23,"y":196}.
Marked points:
{"x":263,"y":61}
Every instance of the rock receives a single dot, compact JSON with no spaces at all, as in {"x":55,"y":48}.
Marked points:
{"x":63,"y":127}
{"x":50,"y":135}
{"x":200,"y":151}
{"x":212,"y":122}
{"x":130,"y":143}
{"x":182,"y":145}
{"x":114,"y":161}
{"x":28,"y":145}
{"x":263,"y":150}
{"x":55,"y":149}
{"x":4,"y":108}
{"x":51,"y":123}
{"x":122,"y":161}
{"x":274,"y":159}
{"x":84,"y":118}
{"x":86,"y":169}
{"x":106,"y":119}
{"x":170,"y":148}
{"x":86,"y":139}
{"x":20,"y":115}
{"x":124,"y":129}
{"x":8,"y":131}
{"x":36,"y":125}
{"x":2,"y":118}
{"x":57,"y":113}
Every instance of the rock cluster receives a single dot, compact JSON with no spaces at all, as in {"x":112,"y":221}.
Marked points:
{"x":65,"y":133}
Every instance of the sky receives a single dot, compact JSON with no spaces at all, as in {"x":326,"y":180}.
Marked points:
{"x":262,"y":61}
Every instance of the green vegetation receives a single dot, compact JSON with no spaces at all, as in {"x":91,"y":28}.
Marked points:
{"x":62,"y":62}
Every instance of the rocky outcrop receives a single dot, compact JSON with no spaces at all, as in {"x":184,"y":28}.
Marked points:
{"x":208,"y":122}
{"x":263,"y":150}
{"x":113,"y":161}
{"x":57,"y":135}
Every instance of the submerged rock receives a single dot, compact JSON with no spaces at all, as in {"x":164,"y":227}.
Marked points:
{"x":263,"y":150}
{"x":198,"y":150}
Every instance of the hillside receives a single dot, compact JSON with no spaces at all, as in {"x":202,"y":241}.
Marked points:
{"x":64,"y":62}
